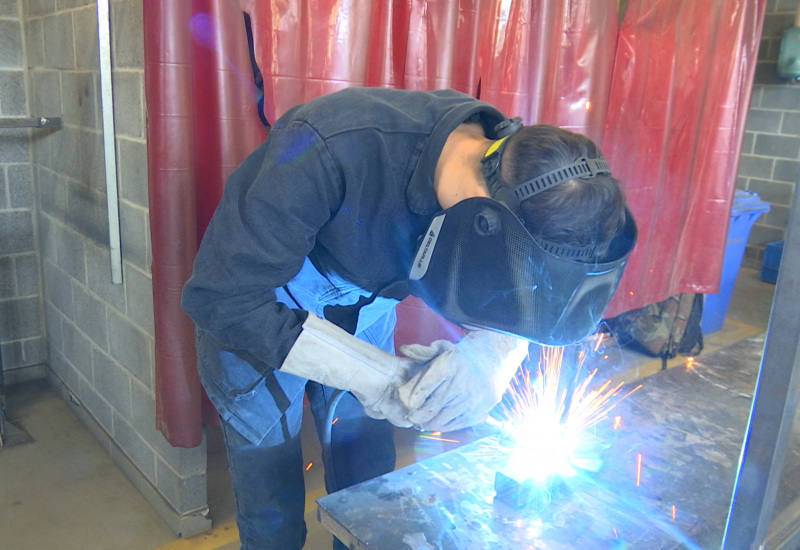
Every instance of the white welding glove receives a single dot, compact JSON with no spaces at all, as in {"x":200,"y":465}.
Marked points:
{"x":332,"y":356}
{"x":462,"y":382}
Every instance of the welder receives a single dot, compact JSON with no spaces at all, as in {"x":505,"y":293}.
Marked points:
{"x":354,"y":201}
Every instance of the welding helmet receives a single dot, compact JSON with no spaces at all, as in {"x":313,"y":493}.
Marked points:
{"x":479,"y":267}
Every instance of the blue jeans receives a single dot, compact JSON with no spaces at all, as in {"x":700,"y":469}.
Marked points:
{"x":268,"y":477}
{"x":261,"y":417}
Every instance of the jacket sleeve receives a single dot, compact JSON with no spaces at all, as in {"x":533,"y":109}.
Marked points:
{"x":265,"y":225}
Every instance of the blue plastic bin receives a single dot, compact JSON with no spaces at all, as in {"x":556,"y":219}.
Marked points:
{"x":747,"y":208}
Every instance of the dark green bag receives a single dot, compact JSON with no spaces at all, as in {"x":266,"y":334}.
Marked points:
{"x":664,"y":329}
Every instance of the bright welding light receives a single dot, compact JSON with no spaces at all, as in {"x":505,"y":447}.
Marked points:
{"x":546,"y":432}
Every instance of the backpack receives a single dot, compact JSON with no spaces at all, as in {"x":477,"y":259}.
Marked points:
{"x":664,"y":329}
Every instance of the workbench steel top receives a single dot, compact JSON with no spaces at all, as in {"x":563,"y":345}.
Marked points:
{"x":682,"y":431}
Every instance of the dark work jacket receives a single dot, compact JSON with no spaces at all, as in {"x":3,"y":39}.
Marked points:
{"x":344,"y":183}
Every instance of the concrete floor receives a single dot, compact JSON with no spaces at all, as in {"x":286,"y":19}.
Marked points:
{"x":63,"y":491}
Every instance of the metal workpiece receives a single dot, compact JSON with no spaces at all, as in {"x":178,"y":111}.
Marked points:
{"x":30,"y":122}
{"x":668,"y":470}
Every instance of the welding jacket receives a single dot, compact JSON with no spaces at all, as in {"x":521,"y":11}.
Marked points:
{"x":323,"y":217}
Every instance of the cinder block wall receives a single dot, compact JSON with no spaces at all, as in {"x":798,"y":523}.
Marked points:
{"x":21,"y":325}
{"x":100,"y":334}
{"x":770,"y":158}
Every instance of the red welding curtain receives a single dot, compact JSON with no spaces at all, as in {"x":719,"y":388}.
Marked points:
{"x":545,"y":60}
{"x":679,"y":98}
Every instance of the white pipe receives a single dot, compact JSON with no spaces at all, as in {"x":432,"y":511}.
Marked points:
{"x":109,"y":149}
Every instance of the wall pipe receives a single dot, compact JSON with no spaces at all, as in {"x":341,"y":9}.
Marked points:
{"x":109,"y":148}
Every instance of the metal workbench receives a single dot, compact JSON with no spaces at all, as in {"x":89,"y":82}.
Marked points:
{"x":680,"y":440}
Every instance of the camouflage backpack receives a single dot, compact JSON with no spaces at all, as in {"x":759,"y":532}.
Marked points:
{"x":663,"y":329}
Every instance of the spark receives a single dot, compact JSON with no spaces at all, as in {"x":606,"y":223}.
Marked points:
{"x":309,"y":465}
{"x":617,"y":422}
{"x":638,"y":468}
{"x":673,"y":511}
{"x":439,"y":438}
{"x":335,"y":420}
{"x":545,"y":421}
{"x":689,"y":363}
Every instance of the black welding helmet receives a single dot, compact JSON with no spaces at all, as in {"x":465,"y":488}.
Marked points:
{"x":479,"y":267}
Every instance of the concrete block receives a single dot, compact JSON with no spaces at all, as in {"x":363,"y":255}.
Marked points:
{"x":139,"y":289}
{"x":20,"y":319}
{"x":135,"y":448}
{"x":71,"y":254}
{"x":77,"y":349}
{"x":65,"y":372}
{"x":13,"y":100}
{"x":90,"y":317}
{"x":98,"y":270}
{"x":787,"y":147}
{"x":92,"y":401}
{"x":65,"y":149}
{"x":791,"y":123}
{"x":20,"y":186}
{"x":47,"y":98}
{"x":34,"y":40}
{"x":71,"y":4}
{"x":133,"y":171}
{"x":757,"y":167}
{"x":59,"y":289}
{"x":134,"y":225}
{"x":786,"y":170}
{"x":79,"y":99}
{"x":112,"y":382}
{"x":772,"y":191}
{"x":760,"y":120}
{"x":8,"y":278}
{"x":16,"y":232}
{"x":92,"y":161}
{"x":128,"y":46}
{"x":782,"y":98}
{"x":88,"y":212}
{"x":128,"y":103}
{"x":59,"y":51}
{"x":778,"y":216}
{"x":52,"y":322}
{"x":35,"y":350}
{"x":9,"y":8}
{"x":15,"y":148}
{"x":27,"y":273}
{"x":11,"y":44}
{"x":53,"y":196}
{"x":183,"y":493}
{"x":130,"y":347}
{"x":86,"y":57}
{"x":40,"y":7}
{"x":13,"y":357}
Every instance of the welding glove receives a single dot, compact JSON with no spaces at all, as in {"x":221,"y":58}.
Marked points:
{"x":333,"y":357}
{"x":461,"y":382}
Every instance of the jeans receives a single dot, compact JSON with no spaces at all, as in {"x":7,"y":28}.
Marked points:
{"x":268,"y":477}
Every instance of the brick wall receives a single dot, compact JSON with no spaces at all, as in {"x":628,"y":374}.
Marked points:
{"x":21,"y":327}
{"x":770,"y":159}
{"x":100,"y":335}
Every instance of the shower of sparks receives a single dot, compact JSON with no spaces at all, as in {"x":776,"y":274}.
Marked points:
{"x":545,"y":421}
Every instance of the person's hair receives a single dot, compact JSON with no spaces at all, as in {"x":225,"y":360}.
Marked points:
{"x":578,"y":212}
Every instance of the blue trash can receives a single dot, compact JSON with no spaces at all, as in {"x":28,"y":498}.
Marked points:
{"x":747,"y":208}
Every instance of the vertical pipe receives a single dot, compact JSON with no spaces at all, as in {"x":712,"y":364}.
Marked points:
{"x":773,"y":408}
{"x":109,"y":150}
